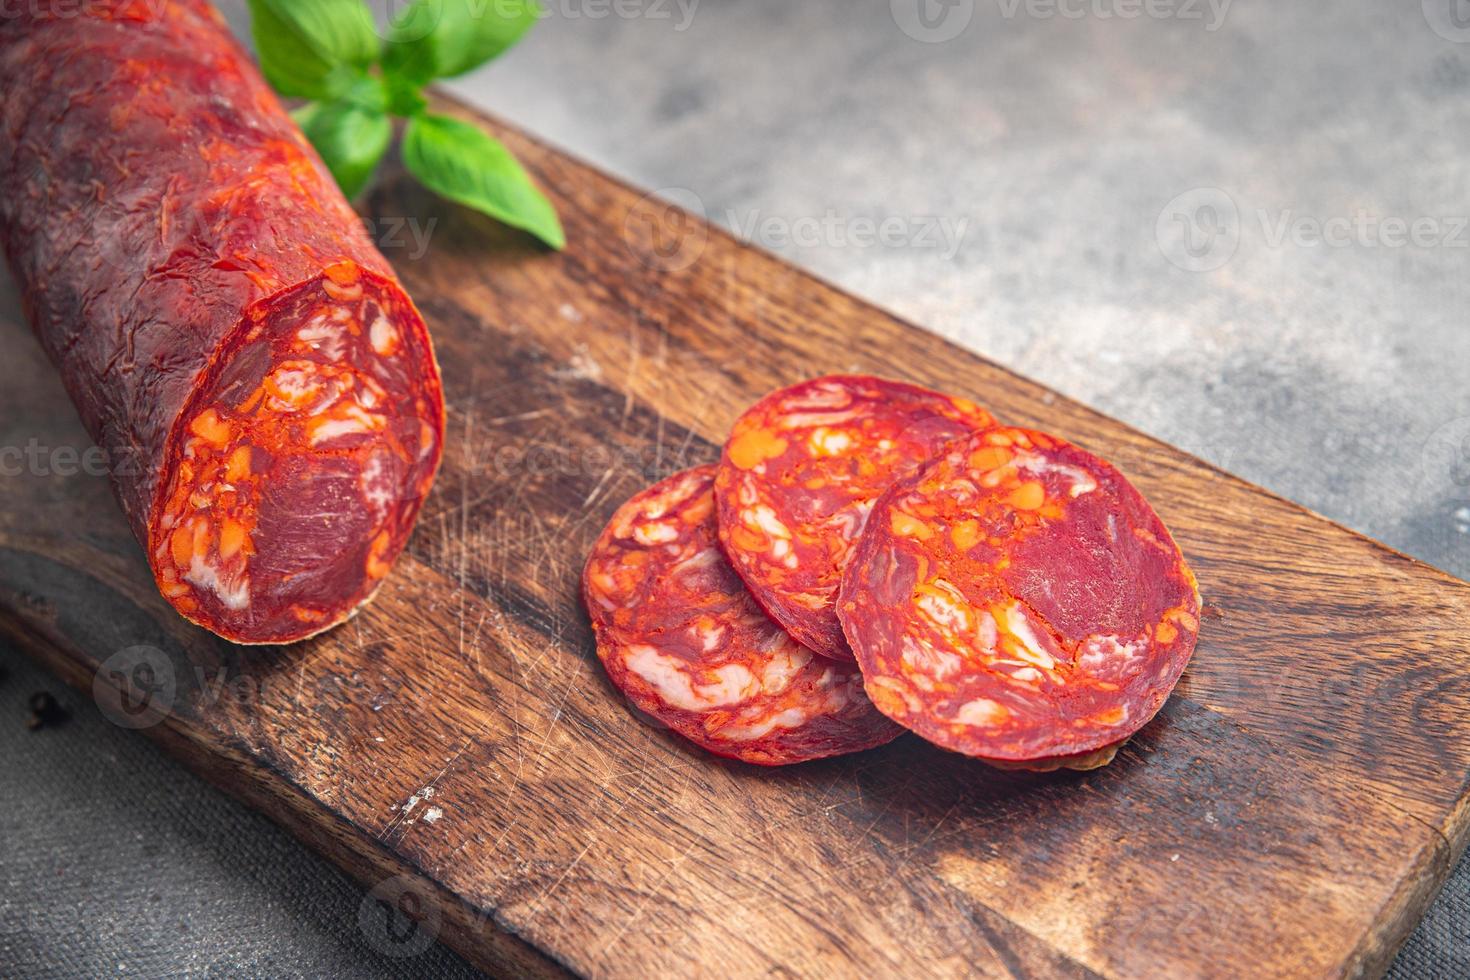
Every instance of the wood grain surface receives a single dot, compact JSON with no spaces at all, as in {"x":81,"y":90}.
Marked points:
{"x":1290,"y":812}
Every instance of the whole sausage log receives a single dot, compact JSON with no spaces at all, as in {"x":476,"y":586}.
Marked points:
{"x":266,"y":391}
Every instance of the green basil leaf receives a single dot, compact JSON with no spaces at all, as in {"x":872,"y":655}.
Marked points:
{"x":313,"y":49}
{"x":367,"y":92}
{"x":443,"y":38}
{"x":350,"y":139}
{"x":465,"y":164}
{"x":404,"y":97}
{"x":304,"y":114}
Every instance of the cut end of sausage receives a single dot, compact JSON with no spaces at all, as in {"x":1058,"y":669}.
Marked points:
{"x":295,"y":474}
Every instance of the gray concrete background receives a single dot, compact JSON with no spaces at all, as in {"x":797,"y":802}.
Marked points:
{"x":1241,"y":227}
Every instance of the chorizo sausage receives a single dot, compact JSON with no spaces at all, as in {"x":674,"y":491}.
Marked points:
{"x":798,"y":475}
{"x":266,"y":391}
{"x":681,"y":637}
{"x":1019,"y":601}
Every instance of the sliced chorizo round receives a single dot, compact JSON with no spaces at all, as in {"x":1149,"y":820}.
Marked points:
{"x":799,"y":474}
{"x":1019,"y":601}
{"x":681,"y":637}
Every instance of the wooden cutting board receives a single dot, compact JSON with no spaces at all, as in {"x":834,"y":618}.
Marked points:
{"x":1290,"y":812}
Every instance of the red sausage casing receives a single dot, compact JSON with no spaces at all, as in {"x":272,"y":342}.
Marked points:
{"x":266,"y":391}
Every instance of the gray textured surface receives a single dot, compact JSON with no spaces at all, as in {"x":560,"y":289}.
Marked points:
{"x":1332,"y":373}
